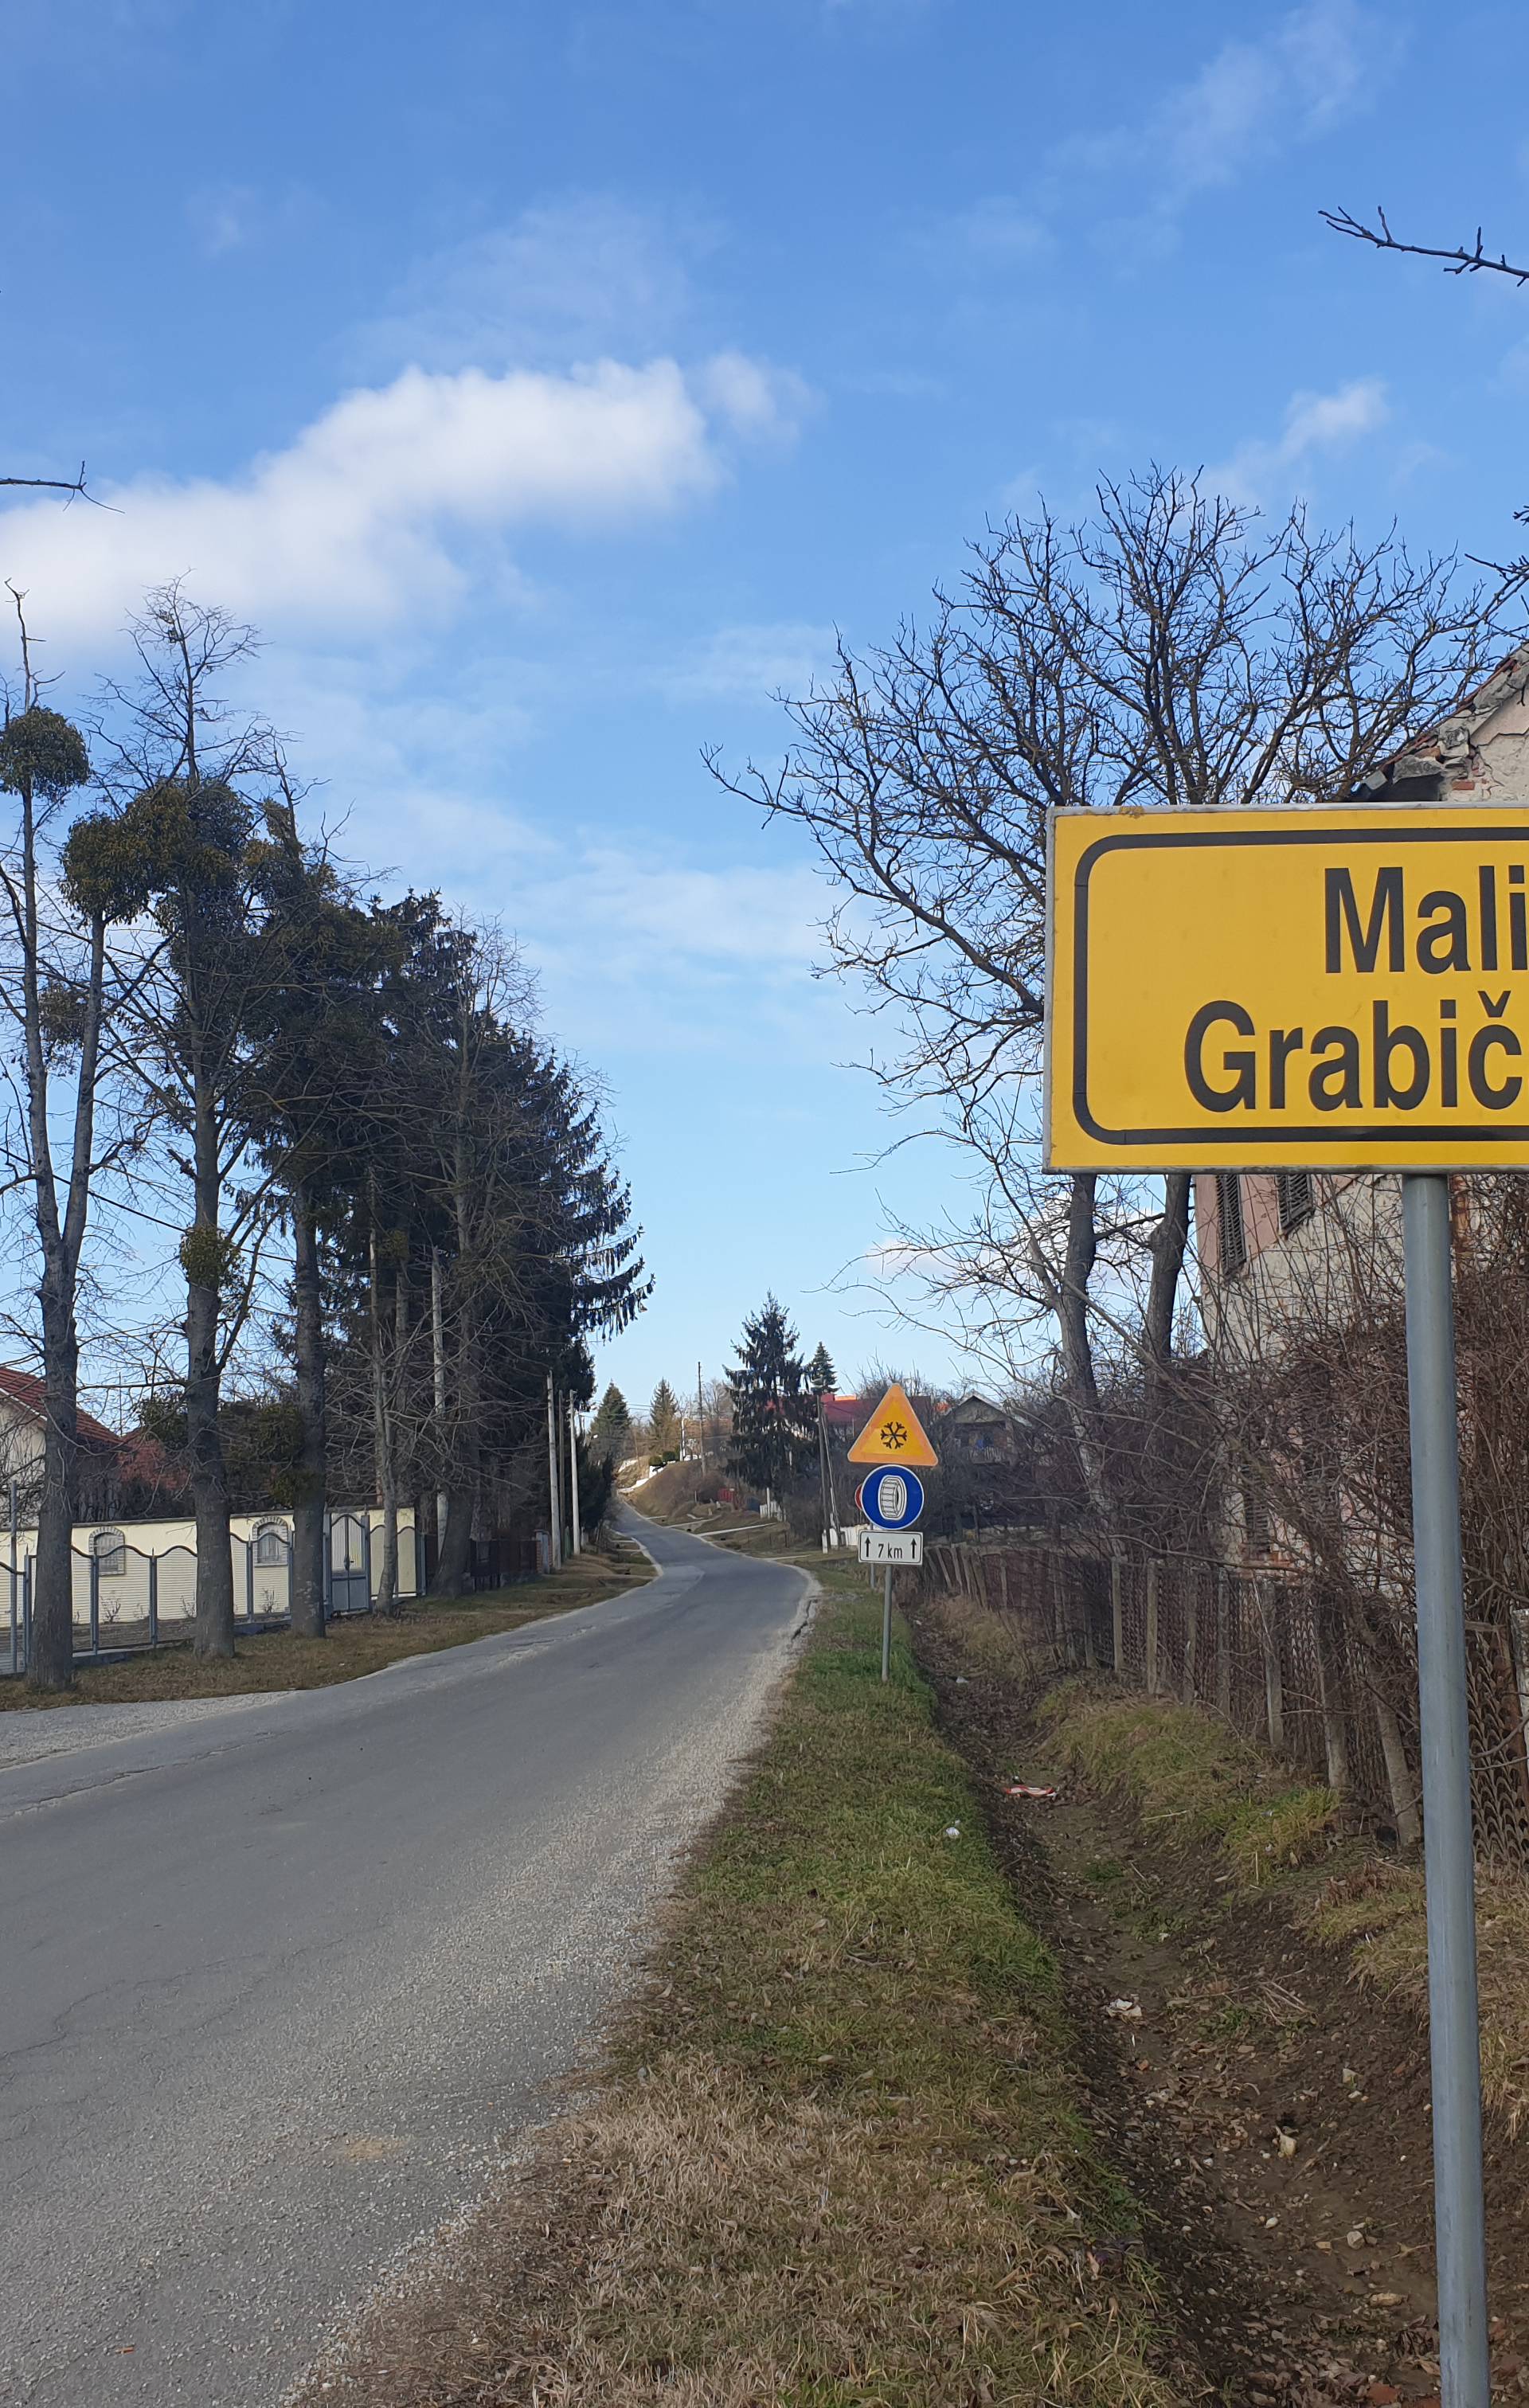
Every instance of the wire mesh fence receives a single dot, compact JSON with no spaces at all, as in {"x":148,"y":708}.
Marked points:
{"x":1275,"y":1656}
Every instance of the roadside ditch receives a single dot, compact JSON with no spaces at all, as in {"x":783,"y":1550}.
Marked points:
{"x":1269,"y":2110}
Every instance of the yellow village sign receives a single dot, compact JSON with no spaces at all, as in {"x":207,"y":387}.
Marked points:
{"x":894,"y":1434}
{"x":1343,"y":989}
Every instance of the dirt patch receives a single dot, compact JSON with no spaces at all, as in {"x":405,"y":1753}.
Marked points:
{"x":1271,"y":2115}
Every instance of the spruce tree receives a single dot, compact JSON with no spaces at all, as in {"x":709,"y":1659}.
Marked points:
{"x":611,"y":1429}
{"x":774,"y":1417}
{"x":663,"y":1419}
{"x":821,"y":1374}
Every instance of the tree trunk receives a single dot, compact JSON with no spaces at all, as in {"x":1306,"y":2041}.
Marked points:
{"x":1080,"y":1384}
{"x":307,"y":1521}
{"x":454,"y":1562}
{"x":51,"y":1664}
{"x":208,"y":1476}
{"x":214,"y":1634}
{"x":1169,"y":1241}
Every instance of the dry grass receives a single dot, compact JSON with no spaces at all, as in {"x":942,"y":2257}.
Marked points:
{"x":1377,"y":1914}
{"x":1183,"y":1768}
{"x":989,"y":1640}
{"x":1176,"y":1764}
{"x":275,"y":1659}
{"x":836,"y":2163}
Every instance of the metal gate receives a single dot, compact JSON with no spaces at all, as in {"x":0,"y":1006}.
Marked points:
{"x":350,"y":1564}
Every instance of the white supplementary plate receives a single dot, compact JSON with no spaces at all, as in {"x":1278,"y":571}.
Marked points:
{"x":892,"y":1546}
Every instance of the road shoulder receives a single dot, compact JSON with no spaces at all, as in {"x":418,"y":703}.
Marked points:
{"x":836,"y":2156}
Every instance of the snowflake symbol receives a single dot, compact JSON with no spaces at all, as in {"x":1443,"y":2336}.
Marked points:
{"x":895,"y":1437}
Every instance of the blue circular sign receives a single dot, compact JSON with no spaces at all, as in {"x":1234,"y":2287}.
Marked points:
{"x":891,"y":1500}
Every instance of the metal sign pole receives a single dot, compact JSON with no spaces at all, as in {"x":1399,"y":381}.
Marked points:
{"x":1449,"y":1864}
{"x":886,"y":1625}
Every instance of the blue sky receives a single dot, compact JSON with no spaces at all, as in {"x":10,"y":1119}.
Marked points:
{"x":549,"y":382}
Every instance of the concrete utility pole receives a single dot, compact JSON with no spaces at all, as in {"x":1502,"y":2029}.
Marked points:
{"x":555,"y":1485}
{"x":437,"y":1358}
{"x":1448,"y":1853}
{"x":700,"y":1418}
{"x":573,"y":1475}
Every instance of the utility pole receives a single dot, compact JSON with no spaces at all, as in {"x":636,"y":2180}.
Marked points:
{"x":555,"y":1485}
{"x":437,"y":1353}
{"x":700,"y":1417}
{"x":572,"y":1474}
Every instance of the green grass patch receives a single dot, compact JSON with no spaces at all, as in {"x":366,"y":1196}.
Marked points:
{"x":838,"y":2162}
{"x":1190,"y":1776}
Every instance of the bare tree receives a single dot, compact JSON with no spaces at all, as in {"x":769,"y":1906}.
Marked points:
{"x":1174,"y":648}
{"x":55,"y":1004}
{"x":198,"y":830}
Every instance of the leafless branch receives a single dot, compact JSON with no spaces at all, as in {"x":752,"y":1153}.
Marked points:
{"x":1459,"y":261}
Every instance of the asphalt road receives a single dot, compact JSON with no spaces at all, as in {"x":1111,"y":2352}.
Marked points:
{"x":280,"y":1986}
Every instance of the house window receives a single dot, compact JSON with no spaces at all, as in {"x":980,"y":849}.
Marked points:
{"x":1296,"y":1199}
{"x":1233,"y":1235}
{"x":271,"y":1542}
{"x":110,"y":1549}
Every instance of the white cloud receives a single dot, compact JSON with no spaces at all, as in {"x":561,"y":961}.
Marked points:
{"x":750,"y":664}
{"x":574,"y":279}
{"x":1315,"y":423}
{"x":222,"y":216}
{"x":995,"y":233}
{"x":1313,"y":67}
{"x":391,"y":502}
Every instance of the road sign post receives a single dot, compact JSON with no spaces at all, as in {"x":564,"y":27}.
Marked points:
{"x":891,"y":1495}
{"x":1343,"y":990}
{"x":1449,"y":1855}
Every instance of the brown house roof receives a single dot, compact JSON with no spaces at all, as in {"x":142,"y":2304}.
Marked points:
{"x":25,"y":1389}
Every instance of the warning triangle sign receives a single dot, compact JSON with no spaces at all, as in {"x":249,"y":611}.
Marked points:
{"x":894,"y":1434}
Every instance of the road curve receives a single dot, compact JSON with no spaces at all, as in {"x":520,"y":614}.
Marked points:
{"x":277,"y":1987}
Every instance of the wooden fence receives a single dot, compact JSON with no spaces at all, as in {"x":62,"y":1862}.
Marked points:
{"x":1274,"y":1656}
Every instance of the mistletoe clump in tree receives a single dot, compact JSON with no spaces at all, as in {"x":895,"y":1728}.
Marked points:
{"x":774,"y":1410}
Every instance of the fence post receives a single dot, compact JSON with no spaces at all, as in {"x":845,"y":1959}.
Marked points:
{"x":367,"y":1556}
{"x":1192,"y":1636}
{"x":1274,"y":1679}
{"x":153,"y":1600}
{"x":95,"y":1602}
{"x":1151,"y":1627}
{"x":249,"y":1580}
{"x":1330,"y":1698}
{"x":1399,"y":1781}
{"x":1085,"y":1606}
{"x":329,"y":1565}
{"x":1117,"y":1612}
{"x":1223,"y":1642}
{"x":26,"y":1611}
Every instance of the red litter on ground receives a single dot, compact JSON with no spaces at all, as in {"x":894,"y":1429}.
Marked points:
{"x":1027,"y":1789}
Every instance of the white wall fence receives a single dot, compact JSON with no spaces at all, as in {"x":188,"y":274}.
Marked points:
{"x":135,"y":1583}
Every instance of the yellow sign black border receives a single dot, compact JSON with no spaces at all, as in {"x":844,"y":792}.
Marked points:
{"x":1392,"y":829}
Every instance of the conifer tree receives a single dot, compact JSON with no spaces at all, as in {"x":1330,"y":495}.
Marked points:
{"x":663,"y":1419}
{"x":774,"y":1417}
{"x":821,"y":1374}
{"x":611,"y":1429}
